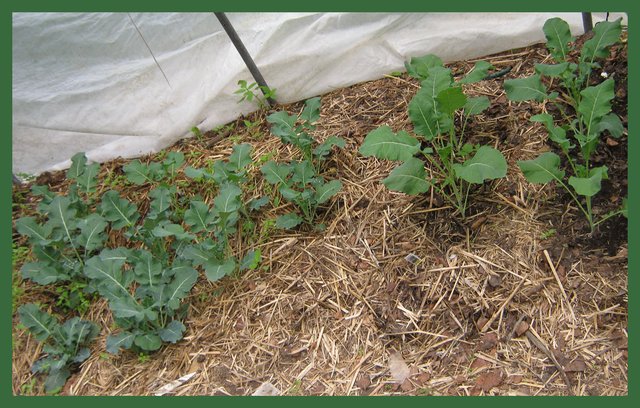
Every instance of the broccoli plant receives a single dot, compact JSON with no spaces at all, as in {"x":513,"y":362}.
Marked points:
{"x":300,"y":182}
{"x":64,"y":234}
{"x":585,"y":113}
{"x":438,"y":141}
{"x":218,"y":223}
{"x":145,"y":297}
{"x":65,"y":345}
{"x":140,"y":173}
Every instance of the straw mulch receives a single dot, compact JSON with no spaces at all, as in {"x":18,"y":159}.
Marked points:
{"x":396,"y":296}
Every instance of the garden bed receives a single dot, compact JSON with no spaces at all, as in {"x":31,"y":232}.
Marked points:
{"x":396,"y":296}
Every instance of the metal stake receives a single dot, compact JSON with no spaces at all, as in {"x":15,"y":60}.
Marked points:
{"x":235,"y":39}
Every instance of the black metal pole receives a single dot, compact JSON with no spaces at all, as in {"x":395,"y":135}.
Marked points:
{"x":231,"y":32}
{"x":587,"y":22}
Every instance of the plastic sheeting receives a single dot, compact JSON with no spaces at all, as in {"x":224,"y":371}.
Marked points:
{"x":87,"y":82}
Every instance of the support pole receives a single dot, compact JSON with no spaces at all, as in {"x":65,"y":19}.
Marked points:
{"x":235,"y":39}
{"x":587,"y":22}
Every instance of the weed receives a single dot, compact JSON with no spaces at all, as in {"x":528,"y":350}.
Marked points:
{"x":73,"y":296}
{"x":548,"y":233}
{"x":253,"y":91}
{"x":28,"y":388}
{"x":197,"y":133}
{"x":296,"y":388}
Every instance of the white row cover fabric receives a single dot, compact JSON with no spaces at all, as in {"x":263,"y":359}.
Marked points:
{"x":87,"y":82}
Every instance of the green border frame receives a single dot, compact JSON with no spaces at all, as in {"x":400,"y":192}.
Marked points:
{"x":628,"y":6}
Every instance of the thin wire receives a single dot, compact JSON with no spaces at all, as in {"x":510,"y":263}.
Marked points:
{"x":149,"y":48}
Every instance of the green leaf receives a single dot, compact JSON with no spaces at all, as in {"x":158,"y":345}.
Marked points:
{"x":88,"y":180}
{"x":487,"y":164}
{"x":438,"y":80}
{"x":623,"y":209}
{"x":408,"y":178}
{"x":118,"y":211}
{"x":422,"y":112}
{"x":525,"y":89}
{"x":543,"y":169}
{"x":197,"y":254}
{"x":311,"y":111}
{"x":83,"y":354}
{"x":108,"y":273}
{"x":241,"y":156}
{"x":43,"y":273}
{"x":257,"y":203}
{"x":558,"y":35}
{"x":78,"y":163}
{"x":198,"y":216}
{"x":327,"y":190}
{"x":125,"y":307}
{"x":161,"y":201}
{"x":172,"y":332}
{"x":556,"y":133}
{"x":451,"y":99}
{"x":612,"y":123}
{"x":289,"y":194}
{"x":92,"y":235}
{"x":118,"y":256}
{"x":156,"y":171}
{"x":288,"y":221}
{"x":552,"y":70}
{"x":479,"y":72}
{"x":596,"y":103}
{"x":418,"y":67}
{"x":606,"y":33}
{"x":384,"y":144}
{"x":195,"y":174}
{"x":325,"y":148}
{"x":303,"y":172}
{"x":56,"y":379}
{"x":182,"y":283}
{"x":148,"y":341}
{"x":251,"y":260}
{"x":121,"y":340}
{"x":136,"y":172}
{"x":173,"y":161}
{"x":148,"y":270}
{"x":589,"y":187}
{"x":38,"y":234}
{"x":168,"y":229}
{"x":78,"y":332}
{"x":228,"y":199}
{"x":283,"y":124}
{"x":474,"y":106}
{"x":62,"y":217}
{"x":41,"y":324}
{"x":276,"y":173}
{"x":216,"y":270}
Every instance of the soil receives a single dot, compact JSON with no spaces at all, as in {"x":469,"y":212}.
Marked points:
{"x":398,"y":296}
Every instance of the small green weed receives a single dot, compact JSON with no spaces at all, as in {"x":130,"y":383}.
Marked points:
{"x":548,"y":233}
{"x":197,"y":133}
{"x":28,"y":388}
{"x":252,"y":91}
